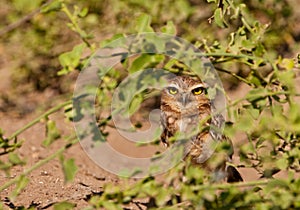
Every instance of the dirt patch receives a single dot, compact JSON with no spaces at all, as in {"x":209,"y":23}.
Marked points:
{"x":46,"y":186}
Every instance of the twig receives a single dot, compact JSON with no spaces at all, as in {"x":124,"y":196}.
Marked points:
{"x":234,"y":75}
{"x":77,"y":29}
{"x":21,"y":21}
{"x":236,"y":184}
{"x":39,"y":164}
{"x":36,"y":120}
{"x":248,"y":57}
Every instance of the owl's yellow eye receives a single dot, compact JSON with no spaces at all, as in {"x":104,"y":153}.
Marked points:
{"x":172,"y":90}
{"x":197,"y":91}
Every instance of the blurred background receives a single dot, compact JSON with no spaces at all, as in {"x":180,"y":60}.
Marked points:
{"x":33,"y":37}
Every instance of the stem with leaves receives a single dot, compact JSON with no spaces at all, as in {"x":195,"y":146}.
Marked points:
{"x":38,"y":119}
{"x":72,"y":140}
{"x":75,"y":25}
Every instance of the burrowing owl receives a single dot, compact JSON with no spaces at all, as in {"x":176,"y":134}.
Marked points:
{"x":184,"y":104}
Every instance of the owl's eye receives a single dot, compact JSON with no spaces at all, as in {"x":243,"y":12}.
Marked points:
{"x":172,"y":90}
{"x":197,"y":91}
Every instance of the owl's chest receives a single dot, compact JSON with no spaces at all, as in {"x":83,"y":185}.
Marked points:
{"x":183,"y":124}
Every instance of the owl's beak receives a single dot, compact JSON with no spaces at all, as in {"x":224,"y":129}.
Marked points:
{"x":185,"y":99}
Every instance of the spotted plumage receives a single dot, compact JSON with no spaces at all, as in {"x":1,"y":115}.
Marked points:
{"x":187,"y":112}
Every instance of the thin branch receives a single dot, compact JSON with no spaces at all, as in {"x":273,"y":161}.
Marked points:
{"x":248,"y":57}
{"x":234,"y":75}
{"x":236,"y":184}
{"x":38,"y":119}
{"x":77,"y":29}
{"x":39,"y":164}
{"x":21,"y":21}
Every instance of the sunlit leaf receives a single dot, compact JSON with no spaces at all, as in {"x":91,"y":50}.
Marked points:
{"x":83,"y":12}
{"x":64,"y":206}
{"x":282,"y":163}
{"x":15,"y":159}
{"x":288,"y":64}
{"x":145,"y":61}
{"x":69,"y":168}
{"x":135,"y":103}
{"x":256,"y":94}
{"x":143,"y":23}
{"x":52,"y":6}
{"x":70,"y":60}
{"x":21,"y":184}
{"x":218,"y":17}
{"x":170,"y":28}
{"x":25,"y":6}
{"x":52,"y":133}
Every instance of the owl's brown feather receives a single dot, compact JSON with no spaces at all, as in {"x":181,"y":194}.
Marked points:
{"x":182,"y":111}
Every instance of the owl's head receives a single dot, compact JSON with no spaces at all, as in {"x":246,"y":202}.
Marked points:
{"x":185,"y":95}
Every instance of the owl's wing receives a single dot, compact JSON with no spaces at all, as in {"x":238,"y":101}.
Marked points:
{"x":232,"y":173}
{"x":165,"y":134}
{"x":164,"y":137}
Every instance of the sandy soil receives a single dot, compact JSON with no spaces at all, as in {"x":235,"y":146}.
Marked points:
{"x":46,"y":186}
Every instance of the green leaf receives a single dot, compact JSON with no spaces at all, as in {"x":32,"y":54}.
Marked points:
{"x":112,"y":40}
{"x":163,"y":196}
{"x":83,"y":12}
{"x":69,"y":168}
{"x":71,"y":60}
{"x":110,"y":205}
{"x":274,"y":183}
{"x":15,"y":159}
{"x":145,"y":61}
{"x":294,"y":113}
{"x":129,"y":173}
{"x":282,"y":163}
{"x":143,"y":23}
{"x":219,"y":19}
{"x":254,"y":79}
{"x":256,"y":94}
{"x":248,"y":44}
{"x":287,"y":63}
{"x":253,"y":112}
{"x":52,"y":133}
{"x":69,"y":112}
{"x":25,"y":6}
{"x":52,"y":7}
{"x":5,"y":167}
{"x":287,"y":78}
{"x":21,"y":184}
{"x":169,"y":28}
{"x":64,"y":206}
{"x":135,"y":103}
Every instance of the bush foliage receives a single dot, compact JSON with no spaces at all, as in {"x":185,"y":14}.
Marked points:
{"x":251,"y":44}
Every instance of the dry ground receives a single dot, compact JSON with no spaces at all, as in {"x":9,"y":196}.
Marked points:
{"x":47,"y":185}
